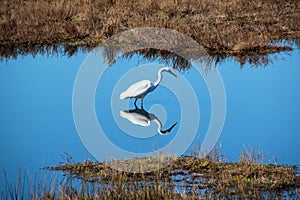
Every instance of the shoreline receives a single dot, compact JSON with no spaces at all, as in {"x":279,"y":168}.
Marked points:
{"x":232,"y":28}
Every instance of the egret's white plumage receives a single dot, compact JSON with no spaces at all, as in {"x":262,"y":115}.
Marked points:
{"x":140,"y":89}
{"x":136,"y":89}
{"x":143,"y":118}
{"x":136,"y":117}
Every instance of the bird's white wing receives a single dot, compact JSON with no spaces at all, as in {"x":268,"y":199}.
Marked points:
{"x":136,"y":89}
{"x":136,"y":118}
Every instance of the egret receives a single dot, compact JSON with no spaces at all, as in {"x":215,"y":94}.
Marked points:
{"x":140,"y":89}
{"x":143,"y":118}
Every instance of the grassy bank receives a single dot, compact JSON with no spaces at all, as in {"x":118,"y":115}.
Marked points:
{"x":234,"y":27}
{"x":188,"y":177}
{"x":192,"y":178}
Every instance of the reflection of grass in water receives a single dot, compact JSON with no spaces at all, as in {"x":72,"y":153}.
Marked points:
{"x":188,"y":177}
{"x":232,"y":28}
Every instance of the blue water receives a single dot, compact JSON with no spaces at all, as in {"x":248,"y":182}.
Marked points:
{"x":37,"y":126}
{"x":263,"y":109}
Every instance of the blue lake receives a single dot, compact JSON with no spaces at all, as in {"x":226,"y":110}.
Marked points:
{"x":37,"y":124}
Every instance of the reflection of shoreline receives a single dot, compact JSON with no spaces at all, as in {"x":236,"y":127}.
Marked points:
{"x":164,"y":57}
{"x":143,"y":118}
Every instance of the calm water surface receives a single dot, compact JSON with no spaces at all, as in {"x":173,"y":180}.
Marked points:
{"x":36,"y":121}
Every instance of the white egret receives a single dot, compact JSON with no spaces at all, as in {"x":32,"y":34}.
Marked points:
{"x":143,"y":118}
{"x":140,"y":89}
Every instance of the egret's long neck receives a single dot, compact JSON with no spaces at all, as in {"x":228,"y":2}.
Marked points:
{"x":157,"y":121}
{"x":159,"y":78}
{"x":159,"y":126}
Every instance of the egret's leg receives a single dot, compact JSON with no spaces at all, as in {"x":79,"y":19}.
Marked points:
{"x":142,"y":102}
{"x":135,"y":103}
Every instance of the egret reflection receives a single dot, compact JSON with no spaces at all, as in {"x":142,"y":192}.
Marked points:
{"x":140,"y":89}
{"x":143,"y":118}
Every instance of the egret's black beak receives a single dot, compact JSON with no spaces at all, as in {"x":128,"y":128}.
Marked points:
{"x":168,"y":130}
{"x":172,"y":73}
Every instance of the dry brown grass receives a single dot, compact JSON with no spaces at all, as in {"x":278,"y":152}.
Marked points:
{"x":188,"y":177}
{"x":233,"y":27}
{"x":194,"y":178}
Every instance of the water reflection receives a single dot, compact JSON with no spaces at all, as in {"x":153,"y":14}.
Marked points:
{"x":165,"y":57}
{"x":251,"y":94}
{"x":143,"y":118}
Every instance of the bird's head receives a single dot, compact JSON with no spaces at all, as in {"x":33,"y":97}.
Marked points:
{"x":167,"y":69}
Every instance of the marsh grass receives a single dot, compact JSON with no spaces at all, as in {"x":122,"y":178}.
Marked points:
{"x":197,"y":177}
{"x":234,"y":27}
{"x":189,"y":177}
